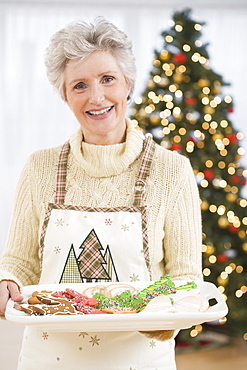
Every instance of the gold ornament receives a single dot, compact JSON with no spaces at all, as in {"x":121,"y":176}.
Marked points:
{"x":216,"y":91}
{"x":231,"y":197}
{"x":203,"y":82}
{"x":154,"y":119}
{"x":151,"y":84}
{"x":217,"y":137}
{"x":223,"y":222}
{"x":178,"y":78}
{"x":208,"y":109}
{"x":204,"y":205}
{"x":164,"y":55}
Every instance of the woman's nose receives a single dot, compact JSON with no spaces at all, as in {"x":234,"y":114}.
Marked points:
{"x":96,"y":95}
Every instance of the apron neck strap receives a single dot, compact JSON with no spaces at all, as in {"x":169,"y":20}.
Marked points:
{"x":62,"y":174}
{"x":140,"y":183}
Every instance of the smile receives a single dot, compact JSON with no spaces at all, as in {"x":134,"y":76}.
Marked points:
{"x":99,"y":112}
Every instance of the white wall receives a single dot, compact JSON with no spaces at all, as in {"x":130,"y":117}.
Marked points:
{"x":33,"y":117}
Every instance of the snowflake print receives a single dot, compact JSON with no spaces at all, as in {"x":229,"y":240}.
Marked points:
{"x":152,"y":344}
{"x":57,"y":250}
{"x":108,"y":222}
{"x":94,"y":340}
{"x":45,"y":335}
{"x":134,"y":277}
{"x":83,"y":334}
{"x":125,"y":228}
{"x":59,"y":222}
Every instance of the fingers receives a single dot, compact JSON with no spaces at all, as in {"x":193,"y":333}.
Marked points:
{"x":8,"y":289}
{"x":161,"y":335}
{"x":14,"y":291}
{"x":4,"y":296}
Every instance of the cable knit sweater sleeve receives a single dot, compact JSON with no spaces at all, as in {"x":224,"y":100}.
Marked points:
{"x":184,"y":231}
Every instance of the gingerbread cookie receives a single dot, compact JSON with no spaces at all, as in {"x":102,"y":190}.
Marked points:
{"x":34,"y":299}
{"x":61,"y":307}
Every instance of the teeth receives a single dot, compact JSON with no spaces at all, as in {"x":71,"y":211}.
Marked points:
{"x":98,"y":112}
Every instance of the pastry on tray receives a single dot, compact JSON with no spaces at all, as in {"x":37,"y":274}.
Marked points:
{"x":117,"y":298}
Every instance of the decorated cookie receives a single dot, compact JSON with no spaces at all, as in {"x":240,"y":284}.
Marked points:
{"x":161,"y":303}
{"x":192,"y":302}
{"x":44,"y":298}
{"x":61,"y":307}
{"x":112,"y":290}
{"x":34,"y":300}
{"x":90,"y":291}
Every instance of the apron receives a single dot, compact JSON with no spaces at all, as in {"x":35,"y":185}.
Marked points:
{"x":83,"y":244}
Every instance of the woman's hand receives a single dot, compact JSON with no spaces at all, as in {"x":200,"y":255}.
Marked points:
{"x":8,"y":289}
{"x":161,"y":335}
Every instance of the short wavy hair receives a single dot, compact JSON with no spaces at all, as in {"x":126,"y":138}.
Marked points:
{"x":78,"y":40}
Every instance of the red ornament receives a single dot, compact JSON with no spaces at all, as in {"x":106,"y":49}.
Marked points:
{"x":233,"y":229}
{"x":190,"y":101}
{"x":179,"y":58}
{"x":177,"y":147}
{"x":232,"y":138}
{"x":235,"y":179}
{"x":222,"y":258}
{"x":230,"y":110}
{"x":209,"y":174}
{"x":243,"y":181}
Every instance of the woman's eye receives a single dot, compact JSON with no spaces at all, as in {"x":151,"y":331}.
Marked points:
{"x":108,"y":79}
{"x":80,"y":86}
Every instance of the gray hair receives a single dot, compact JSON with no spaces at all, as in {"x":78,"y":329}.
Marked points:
{"x":78,"y":40}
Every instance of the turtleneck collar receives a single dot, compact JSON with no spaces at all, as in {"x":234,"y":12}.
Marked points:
{"x":107,"y":160}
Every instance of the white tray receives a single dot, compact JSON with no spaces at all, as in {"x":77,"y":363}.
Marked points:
{"x":118,"y":322}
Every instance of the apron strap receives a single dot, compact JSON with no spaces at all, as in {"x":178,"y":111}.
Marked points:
{"x":140,"y":184}
{"x":61,"y":174}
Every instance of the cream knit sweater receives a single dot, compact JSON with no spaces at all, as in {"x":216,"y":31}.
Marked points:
{"x":103,"y":176}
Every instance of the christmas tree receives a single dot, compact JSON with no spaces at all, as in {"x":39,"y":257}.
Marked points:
{"x":91,"y":259}
{"x":111,"y":270}
{"x":184,"y":108}
{"x":71,"y":272}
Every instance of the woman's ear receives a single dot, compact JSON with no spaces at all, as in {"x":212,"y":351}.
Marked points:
{"x":129,"y":90}
{"x":64,"y":94}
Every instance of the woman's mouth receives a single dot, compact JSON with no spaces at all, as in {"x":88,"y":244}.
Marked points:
{"x":99,"y":112}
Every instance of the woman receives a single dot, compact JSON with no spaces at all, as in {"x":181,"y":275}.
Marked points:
{"x":109,"y":186}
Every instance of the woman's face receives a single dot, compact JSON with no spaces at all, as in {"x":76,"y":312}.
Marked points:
{"x":96,"y":91}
